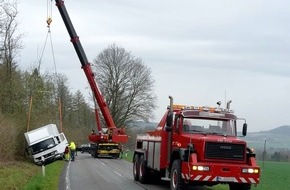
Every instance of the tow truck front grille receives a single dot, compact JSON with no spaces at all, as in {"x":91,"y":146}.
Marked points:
{"x":227,"y":151}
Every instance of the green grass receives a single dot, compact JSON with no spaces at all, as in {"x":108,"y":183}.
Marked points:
{"x":128,"y":155}
{"x":274,"y":176}
{"x":51,"y":179}
{"x":15,"y":174}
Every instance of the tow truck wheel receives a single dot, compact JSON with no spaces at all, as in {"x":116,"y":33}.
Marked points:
{"x":136,"y":167}
{"x":176,"y":182}
{"x":143,"y":171}
{"x":239,"y":186}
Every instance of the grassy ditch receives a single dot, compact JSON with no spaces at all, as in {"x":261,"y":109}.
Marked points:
{"x":15,"y":174}
{"x":23,"y":175}
{"x":51,"y":179}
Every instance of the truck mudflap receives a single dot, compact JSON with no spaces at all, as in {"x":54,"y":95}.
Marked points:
{"x":220,"y":173}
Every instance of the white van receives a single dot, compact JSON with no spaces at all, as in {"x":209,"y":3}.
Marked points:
{"x":46,"y":143}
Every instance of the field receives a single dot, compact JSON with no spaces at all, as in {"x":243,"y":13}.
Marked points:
{"x":274,"y":176}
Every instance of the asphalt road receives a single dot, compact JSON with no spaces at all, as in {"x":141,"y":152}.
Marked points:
{"x":88,"y":173}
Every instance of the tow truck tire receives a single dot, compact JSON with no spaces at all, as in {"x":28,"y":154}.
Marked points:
{"x":176,"y":182}
{"x":239,"y":186}
{"x":143,"y":170}
{"x":136,"y":167}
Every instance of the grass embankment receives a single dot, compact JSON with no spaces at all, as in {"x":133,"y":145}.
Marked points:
{"x":18,"y":175}
{"x":51,"y":179}
{"x":15,"y":174}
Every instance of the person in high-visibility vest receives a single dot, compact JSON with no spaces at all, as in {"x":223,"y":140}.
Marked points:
{"x":72,"y":147}
{"x":66,"y":154}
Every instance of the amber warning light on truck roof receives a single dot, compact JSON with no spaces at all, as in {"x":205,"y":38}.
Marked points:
{"x":202,"y":108}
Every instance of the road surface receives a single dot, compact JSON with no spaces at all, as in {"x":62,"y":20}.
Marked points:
{"x":88,"y":173}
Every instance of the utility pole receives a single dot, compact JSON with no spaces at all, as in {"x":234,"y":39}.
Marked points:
{"x":264,"y":152}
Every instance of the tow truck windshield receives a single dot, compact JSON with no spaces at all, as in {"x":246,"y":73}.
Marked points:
{"x":207,"y":126}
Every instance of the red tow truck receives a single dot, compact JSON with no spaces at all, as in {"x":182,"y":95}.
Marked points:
{"x":195,"y":146}
{"x":102,"y":144}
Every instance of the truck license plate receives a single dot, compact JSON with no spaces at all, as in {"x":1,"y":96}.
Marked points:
{"x":225,"y":179}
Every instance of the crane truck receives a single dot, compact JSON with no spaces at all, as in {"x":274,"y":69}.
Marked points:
{"x":102,"y":144}
{"x":196,"y":145}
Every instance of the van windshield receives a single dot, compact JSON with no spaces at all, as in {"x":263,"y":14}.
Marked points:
{"x":42,"y":146}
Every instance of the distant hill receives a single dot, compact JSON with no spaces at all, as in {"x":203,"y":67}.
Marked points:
{"x":285,"y":129}
{"x":275,"y":139}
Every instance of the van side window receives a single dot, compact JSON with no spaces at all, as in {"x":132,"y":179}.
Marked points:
{"x":61,"y":137}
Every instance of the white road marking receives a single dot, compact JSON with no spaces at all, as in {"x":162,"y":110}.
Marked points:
{"x":118,"y":173}
{"x":67,"y":177}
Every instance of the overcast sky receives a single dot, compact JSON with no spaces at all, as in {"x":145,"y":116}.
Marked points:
{"x":199,"y":52}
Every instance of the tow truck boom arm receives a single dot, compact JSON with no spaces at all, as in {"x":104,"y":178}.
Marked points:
{"x":85,"y":64}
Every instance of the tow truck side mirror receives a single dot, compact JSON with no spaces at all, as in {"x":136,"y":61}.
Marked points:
{"x":169,"y":121}
{"x":245,"y":126}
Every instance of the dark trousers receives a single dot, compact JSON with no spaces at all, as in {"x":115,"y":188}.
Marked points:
{"x":72,"y":155}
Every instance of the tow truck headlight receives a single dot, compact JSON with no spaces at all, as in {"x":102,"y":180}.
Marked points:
{"x":200,"y":168}
{"x":250,"y":171}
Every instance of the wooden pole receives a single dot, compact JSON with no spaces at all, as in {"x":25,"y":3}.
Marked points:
{"x":29,"y":113}
{"x":60,"y":114}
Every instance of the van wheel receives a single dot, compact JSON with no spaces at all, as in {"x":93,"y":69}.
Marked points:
{"x":176,"y":182}
{"x":136,"y":167}
{"x":143,"y":170}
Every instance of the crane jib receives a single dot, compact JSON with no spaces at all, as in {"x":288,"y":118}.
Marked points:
{"x":85,"y":64}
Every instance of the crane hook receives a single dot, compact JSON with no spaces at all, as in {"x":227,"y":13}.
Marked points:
{"x":48,"y":21}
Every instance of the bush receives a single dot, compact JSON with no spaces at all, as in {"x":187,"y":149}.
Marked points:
{"x":8,"y":136}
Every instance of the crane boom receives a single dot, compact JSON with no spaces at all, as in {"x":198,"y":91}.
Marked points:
{"x":85,"y":64}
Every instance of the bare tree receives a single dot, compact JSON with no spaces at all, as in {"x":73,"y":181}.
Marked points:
{"x":64,"y":95}
{"x":126,"y":84}
{"x":10,"y":44}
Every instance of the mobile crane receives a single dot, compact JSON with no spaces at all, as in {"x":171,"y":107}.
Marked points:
{"x":196,"y":145}
{"x":102,"y":144}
